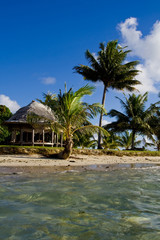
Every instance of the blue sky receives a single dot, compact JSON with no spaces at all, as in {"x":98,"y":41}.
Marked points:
{"x":42,"y":40}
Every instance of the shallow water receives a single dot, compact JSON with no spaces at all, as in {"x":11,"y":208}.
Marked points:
{"x":119,"y":204}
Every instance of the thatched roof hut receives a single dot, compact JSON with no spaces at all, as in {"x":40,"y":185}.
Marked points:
{"x":29,"y":125}
{"x":38,"y":109}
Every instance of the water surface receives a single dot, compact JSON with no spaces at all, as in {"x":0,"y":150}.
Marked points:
{"x":113,"y":205}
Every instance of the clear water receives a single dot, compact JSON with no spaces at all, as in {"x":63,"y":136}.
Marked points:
{"x":121,"y":204}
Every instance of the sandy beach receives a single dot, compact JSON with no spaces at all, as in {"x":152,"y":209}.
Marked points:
{"x":74,"y":160}
{"x":39,"y":163}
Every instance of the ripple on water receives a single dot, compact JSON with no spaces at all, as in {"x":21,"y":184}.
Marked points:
{"x":84,"y":205}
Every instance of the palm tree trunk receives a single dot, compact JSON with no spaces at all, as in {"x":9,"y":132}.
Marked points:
{"x":133,"y":137}
{"x":101,"y":117}
{"x":67,"y":148}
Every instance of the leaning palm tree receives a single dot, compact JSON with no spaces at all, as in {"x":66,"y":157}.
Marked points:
{"x":72,"y":115}
{"x":110,"y":69}
{"x":134,"y":117}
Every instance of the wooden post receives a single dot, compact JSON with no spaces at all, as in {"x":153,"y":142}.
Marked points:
{"x":26,"y":137}
{"x":13,"y":137}
{"x":32,"y":137}
{"x":43,"y":136}
{"x":57,"y":140}
{"x":52,"y":139}
{"x":61,"y":139}
{"x":21,"y":137}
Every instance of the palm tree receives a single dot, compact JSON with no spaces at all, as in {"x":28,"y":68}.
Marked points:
{"x":84,"y":139}
{"x":156,"y":129}
{"x":49,"y":99}
{"x":134,"y":118}
{"x":73,"y":114}
{"x":109,"y":68}
{"x":111,"y":141}
{"x":155,"y":123}
{"x":126,"y":140}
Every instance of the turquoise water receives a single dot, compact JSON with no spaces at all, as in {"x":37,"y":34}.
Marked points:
{"x":120,"y":204}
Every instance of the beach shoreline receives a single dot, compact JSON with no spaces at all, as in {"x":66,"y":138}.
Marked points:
{"x":39,"y":164}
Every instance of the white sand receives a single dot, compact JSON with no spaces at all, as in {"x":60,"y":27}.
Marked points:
{"x":75,"y":160}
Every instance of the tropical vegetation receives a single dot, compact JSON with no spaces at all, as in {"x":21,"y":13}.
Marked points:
{"x":110,"y":68}
{"x":111,"y":141}
{"x":73,"y":115}
{"x":155,"y":124}
{"x":5,"y":114}
{"x":125,"y":140}
{"x":120,"y":141}
{"x":135,"y":117}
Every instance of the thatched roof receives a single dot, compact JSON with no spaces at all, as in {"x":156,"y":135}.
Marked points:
{"x":38,"y":109}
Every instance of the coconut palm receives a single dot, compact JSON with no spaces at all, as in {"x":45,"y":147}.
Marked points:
{"x":84,"y":139}
{"x":134,"y":117}
{"x":73,"y":114}
{"x":49,"y":99}
{"x":109,"y":68}
{"x":125,"y":140}
{"x":156,"y":129}
{"x":111,"y":141}
{"x":155,"y":123}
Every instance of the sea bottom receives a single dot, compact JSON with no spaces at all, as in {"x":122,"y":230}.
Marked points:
{"x":119,"y":204}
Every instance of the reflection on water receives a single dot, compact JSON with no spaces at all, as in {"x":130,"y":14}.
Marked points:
{"x":121,"y":204}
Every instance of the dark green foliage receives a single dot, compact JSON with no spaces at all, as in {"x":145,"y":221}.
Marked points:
{"x":5,"y":114}
{"x":134,"y":116}
{"x":49,"y":100}
{"x":125,"y":140}
{"x":111,"y":141}
{"x":109,"y":67}
{"x":155,"y":124}
{"x":84,"y":140}
{"x":73,"y":115}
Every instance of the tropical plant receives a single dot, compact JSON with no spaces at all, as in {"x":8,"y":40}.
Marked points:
{"x":72,"y":113}
{"x":155,"y":123}
{"x":125,"y":140}
{"x":84,"y":139}
{"x":111,"y":141}
{"x":109,"y":67}
{"x":146,"y":143}
{"x":156,"y":129}
{"x":5,"y":114}
{"x":134,"y":117}
{"x":49,"y":99}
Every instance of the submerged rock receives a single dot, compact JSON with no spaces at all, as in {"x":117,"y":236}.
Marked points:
{"x":138,"y":220}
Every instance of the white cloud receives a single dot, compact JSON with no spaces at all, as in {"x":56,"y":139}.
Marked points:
{"x":105,"y":122}
{"x":11,"y":104}
{"x":147,"y":49}
{"x":95,"y":55}
{"x":99,"y":84}
{"x":48,"y":80}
